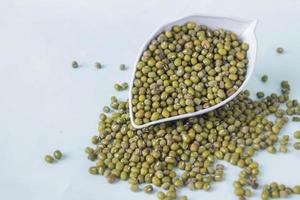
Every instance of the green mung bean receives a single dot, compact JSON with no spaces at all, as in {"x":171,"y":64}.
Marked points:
{"x":296,"y":189}
{"x":94,"y":140}
{"x":260,"y":94}
{"x":93,"y":170}
{"x":160,"y":195}
{"x":283,"y":149}
{"x":134,"y":187}
{"x":57,"y":154}
{"x":123,"y":67}
{"x":98,"y":65}
{"x":75,"y":64}
{"x":183,"y":198}
{"x":297,"y":145}
{"x":264,"y":78}
{"x":89,"y":150}
{"x":117,"y":87}
{"x":297,"y":134}
{"x":271,"y":149}
{"x":49,"y":159}
{"x":148,"y":189}
{"x":106,"y":109}
{"x":280,"y":50}
{"x":124,"y":85}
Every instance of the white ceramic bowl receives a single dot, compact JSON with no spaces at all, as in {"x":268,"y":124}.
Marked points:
{"x":245,"y":29}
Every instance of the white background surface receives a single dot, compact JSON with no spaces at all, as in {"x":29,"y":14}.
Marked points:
{"x":45,"y":104}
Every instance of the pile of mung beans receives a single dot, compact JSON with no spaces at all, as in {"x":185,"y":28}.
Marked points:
{"x":275,"y":190}
{"x":150,"y":159}
{"x":186,"y":69}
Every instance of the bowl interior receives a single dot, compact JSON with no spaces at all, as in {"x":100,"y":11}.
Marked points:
{"x":243,"y":28}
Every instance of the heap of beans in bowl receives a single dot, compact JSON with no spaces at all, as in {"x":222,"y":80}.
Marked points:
{"x":185,"y":69}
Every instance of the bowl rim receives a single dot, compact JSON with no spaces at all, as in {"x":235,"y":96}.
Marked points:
{"x":252,"y":26}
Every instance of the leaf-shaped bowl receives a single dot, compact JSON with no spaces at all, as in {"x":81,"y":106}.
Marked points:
{"x":245,"y":29}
